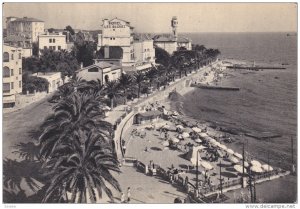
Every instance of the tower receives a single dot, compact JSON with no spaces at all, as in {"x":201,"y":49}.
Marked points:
{"x":174,"y":24}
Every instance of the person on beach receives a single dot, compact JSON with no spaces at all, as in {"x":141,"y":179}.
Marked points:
{"x":128,"y":194}
{"x":122,"y":197}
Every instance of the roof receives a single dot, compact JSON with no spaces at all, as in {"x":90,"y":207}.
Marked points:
{"x":170,"y":38}
{"x":101,"y":65}
{"x":183,"y":39}
{"x":14,"y":38}
{"x":27,"y":19}
{"x":161,"y":38}
{"x":142,"y":37}
{"x":150,"y":113}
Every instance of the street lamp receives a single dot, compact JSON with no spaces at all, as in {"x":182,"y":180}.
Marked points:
{"x":197,"y":170}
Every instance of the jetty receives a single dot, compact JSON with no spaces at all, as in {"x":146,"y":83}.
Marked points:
{"x":262,"y":135}
{"x":202,"y":86}
{"x":255,"y":67}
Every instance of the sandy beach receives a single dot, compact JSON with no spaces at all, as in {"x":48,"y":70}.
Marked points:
{"x":223,"y":77}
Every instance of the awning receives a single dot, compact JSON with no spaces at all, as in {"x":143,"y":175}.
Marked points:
{"x":144,"y":66}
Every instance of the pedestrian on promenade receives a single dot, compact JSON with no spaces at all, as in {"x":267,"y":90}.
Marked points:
{"x":122,"y":197}
{"x":128,"y":194}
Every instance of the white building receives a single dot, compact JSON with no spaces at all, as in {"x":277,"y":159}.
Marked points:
{"x":20,"y":41}
{"x":29,"y":27}
{"x":172,"y":42}
{"x":144,"y":51}
{"x":54,"y":79}
{"x":12,"y":74}
{"x":103,"y":71}
{"x":53,"y":41}
{"x":117,"y":32}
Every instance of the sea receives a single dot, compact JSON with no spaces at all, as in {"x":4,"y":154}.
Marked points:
{"x":267,"y":100}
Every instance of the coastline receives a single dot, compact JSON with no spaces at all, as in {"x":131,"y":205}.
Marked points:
{"x":289,"y":183}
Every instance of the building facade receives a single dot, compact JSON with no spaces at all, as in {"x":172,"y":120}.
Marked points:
{"x":20,"y":41}
{"x":12,"y":74}
{"x":29,"y":27}
{"x":53,"y":41}
{"x":117,"y":32}
{"x":144,"y":51}
{"x":102,"y":71}
{"x":54,"y":79}
{"x":172,"y":42}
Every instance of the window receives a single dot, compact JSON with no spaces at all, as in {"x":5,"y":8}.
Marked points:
{"x":59,"y":47}
{"x":20,"y":84}
{"x":12,"y":72}
{"x":12,"y":85}
{"x":20,"y":56}
{"x":54,"y":47}
{"x":94,"y":70}
{"x":12,"y":56}
{"x":6,"y":87}
{"x":110,"y":38}
{"x":50,"y":40}
{"x":54,"y":40}
{"x":5,"y":57}
{"x":6,"y":72}
{"x":20,"y":71}
{"x":45,"y":47}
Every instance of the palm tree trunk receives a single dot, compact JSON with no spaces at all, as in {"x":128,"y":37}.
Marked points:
{"x":112,"y":103}
{"x":139,"y":88}
{"x":73,"y":197}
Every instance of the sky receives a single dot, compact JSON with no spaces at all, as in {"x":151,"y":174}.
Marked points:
{"x":156,"y":17}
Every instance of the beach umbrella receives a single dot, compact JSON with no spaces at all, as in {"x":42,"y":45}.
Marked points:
{"x":175,"y":140}
{"x":256,"y":169}
{"x":198,"y":140}
{"x":238,"y":155}
{"x":179,"y":126}
{"x":255,"y":163}
{"x":203,"y":135}
{"x":106,"y":108}
{"x":175,"y":113}
{"x":267,"y":167}
{"x":217,"y":144}
{"x":196,"y":129}
{"x":233,"y":159}
{"x":185,"y":135}
{"x":166,"y":143}
{"x":212,"y":140}
{"x":246,"y":164}
{"x":239,"y":169}
{"x":222,"y":146}
{"x":230,"y":151}
{"x":206,"y":165}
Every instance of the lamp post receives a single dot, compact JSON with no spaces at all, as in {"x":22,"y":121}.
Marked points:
{"x":243,"y":165}
{"x":221,"y":179}
{"x":197,"y":170}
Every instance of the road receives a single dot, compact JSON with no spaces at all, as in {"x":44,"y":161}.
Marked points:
{"x":20,"y":126}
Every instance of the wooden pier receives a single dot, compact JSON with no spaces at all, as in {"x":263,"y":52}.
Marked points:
{"x":255,"y":67}
{"x":202,"y":86}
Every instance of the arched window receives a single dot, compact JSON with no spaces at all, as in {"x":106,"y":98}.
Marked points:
{"x":20,"y":56}
{"x":6,"y":72}
{"x":5,"y":57}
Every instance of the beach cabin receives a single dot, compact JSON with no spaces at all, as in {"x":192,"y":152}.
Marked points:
{"x":146,"y":117}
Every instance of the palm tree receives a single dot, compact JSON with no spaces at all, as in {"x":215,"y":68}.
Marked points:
{"x":14,"y":172}
{"x":124,"y":82}
{"x":139,"y":78}
{"x":151,"y":75}
{"x":112,"y":91}
{"x":79,"y":112}
{"x":82,"y":169}
{"x":28,"y":151}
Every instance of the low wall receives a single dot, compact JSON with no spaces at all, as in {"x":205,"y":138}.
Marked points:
{"x":23,"y":100}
